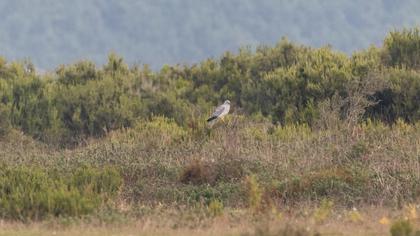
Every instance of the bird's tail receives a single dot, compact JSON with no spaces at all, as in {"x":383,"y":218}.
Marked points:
{"x":211,"y":118}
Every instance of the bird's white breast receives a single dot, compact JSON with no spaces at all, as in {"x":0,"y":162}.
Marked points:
{"x":225,"y":110}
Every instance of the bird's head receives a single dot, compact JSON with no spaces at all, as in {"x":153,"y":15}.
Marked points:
{"x":227,"y":102}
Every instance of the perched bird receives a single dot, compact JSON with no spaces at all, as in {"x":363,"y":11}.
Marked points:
{"x":220,"y":112}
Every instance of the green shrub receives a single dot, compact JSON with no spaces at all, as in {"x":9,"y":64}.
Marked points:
{"x":401,"y":228}
{"x":79,"y":73}
{"x":230,"y":194}
{"x":254,"y":192}
{"x":399,"y":98}
{"x":402,"y":49}
{"x":215,"y":208}
{"x":104,"y":181}
{"x":33,"y":194}
{"x":348,"y":184}
{"x":323,"y":211}
{"x":31,"y":108}
{"x":160,"y":132}
{"x":4,"y":120}
{"x":286,"y":83}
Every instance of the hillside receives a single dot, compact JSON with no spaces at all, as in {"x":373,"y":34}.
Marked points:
{"x":168,"y":32}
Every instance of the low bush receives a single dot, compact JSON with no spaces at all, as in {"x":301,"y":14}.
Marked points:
{"x":215,"y":208}
{"x":254,"y":193}
{"x":401,"y":228}
{"x":348,"y":184}
{"x":4,"y":120}
{"x":34,"y":194}
{"x":160,"y":132}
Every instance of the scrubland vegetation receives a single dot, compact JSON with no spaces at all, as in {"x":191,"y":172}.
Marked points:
{"x":318,"y":142}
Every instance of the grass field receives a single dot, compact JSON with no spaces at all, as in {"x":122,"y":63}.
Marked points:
{"x":240,"y":178}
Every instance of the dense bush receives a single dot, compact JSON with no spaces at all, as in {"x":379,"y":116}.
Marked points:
{"x":286,"y":83}
{"x":29,"y":193}
{"x":402,"y":49}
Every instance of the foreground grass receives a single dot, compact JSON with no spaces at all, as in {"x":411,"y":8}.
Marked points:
{"x":303,"y":221}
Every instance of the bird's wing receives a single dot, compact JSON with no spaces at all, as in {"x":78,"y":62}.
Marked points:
{"x":219,"y":110}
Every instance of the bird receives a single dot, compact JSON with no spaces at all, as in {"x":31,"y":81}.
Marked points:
{"x":220,"y":112}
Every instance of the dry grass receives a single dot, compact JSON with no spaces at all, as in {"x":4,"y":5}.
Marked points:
{"x":369,"y":163}
{"x":371,"y":166}
{"x":233,"y":222}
